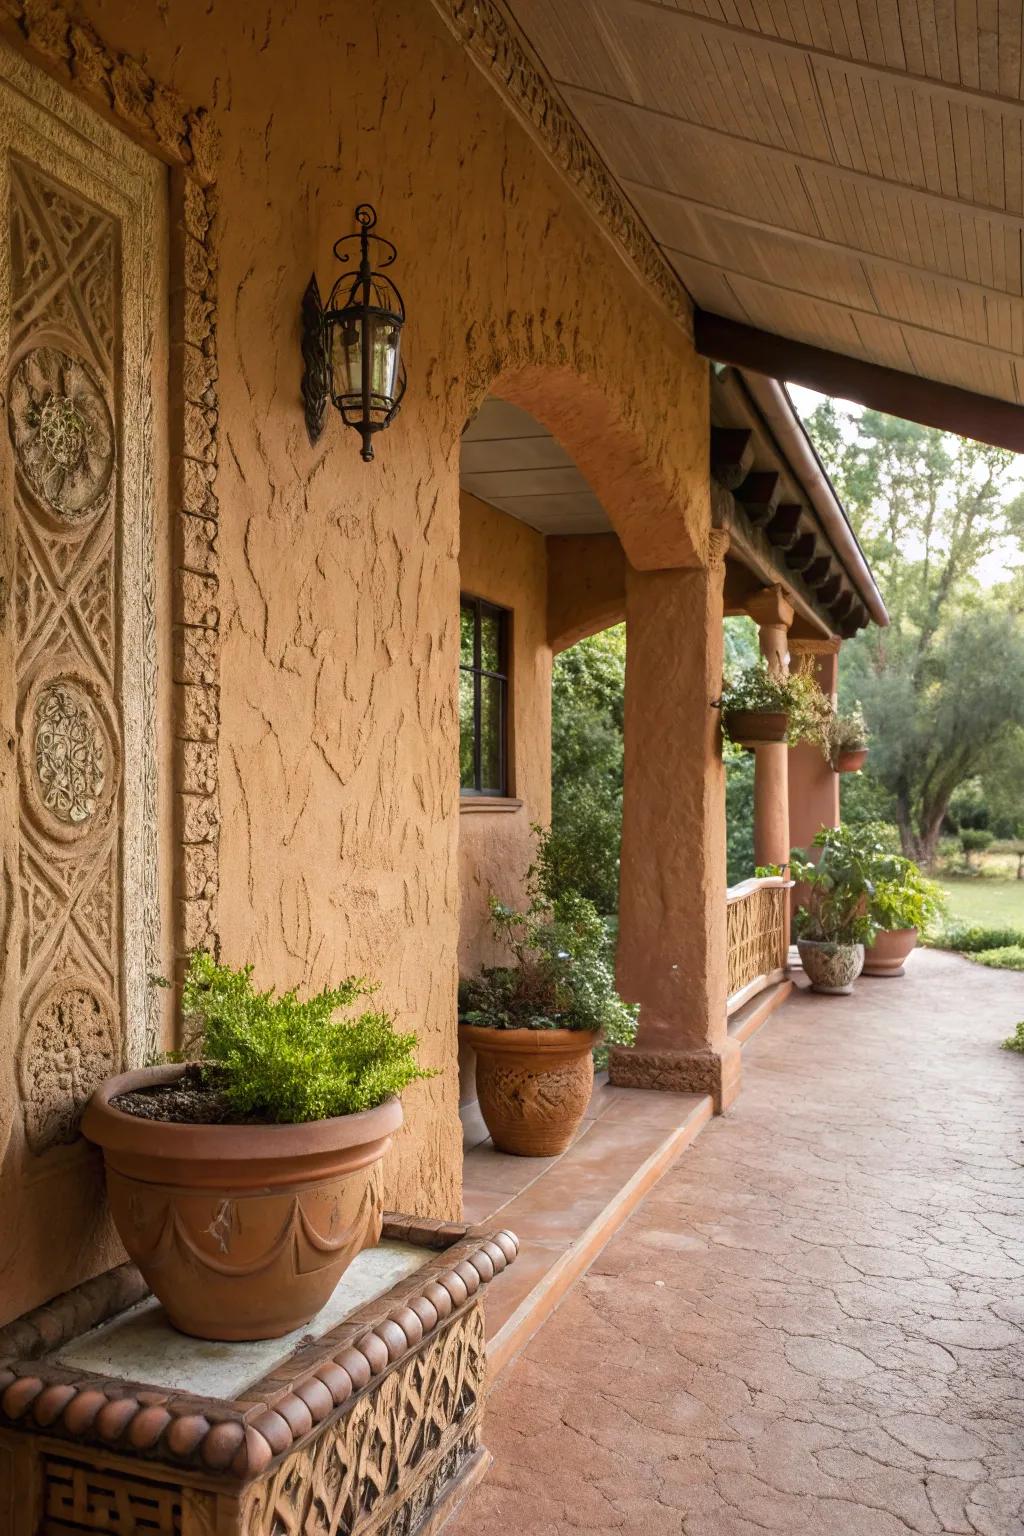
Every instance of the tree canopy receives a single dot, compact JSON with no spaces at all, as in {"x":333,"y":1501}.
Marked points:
{"x":943,"y":687}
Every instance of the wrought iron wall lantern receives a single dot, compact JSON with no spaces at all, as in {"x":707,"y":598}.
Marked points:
{"x":351,"y":346}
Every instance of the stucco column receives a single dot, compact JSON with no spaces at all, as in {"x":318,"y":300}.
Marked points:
{"x":773,"y":614}
{"x":671,"y":955}
{"x":813,"y":785}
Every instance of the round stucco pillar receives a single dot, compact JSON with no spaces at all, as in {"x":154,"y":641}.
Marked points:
{"x":773,"y":614}
{"x":813,"y":783}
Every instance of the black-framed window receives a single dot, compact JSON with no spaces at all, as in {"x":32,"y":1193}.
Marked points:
{"x":483,"y":697}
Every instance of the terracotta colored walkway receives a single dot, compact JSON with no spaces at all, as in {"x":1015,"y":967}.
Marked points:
{"x":815,"y":1322}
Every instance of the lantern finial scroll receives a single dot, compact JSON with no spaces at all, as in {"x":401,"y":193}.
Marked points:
{"x":351,"y":345}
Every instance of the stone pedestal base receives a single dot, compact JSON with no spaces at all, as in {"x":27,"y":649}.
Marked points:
{"x":713,"y":1072}
{"x":372,"y":1429}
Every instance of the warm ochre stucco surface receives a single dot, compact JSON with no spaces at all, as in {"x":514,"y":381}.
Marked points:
{"x":339,"y":588}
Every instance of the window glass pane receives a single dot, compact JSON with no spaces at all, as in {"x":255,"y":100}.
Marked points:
{"x":467,"y":626}
{"x":467,"y":767}
{"x":491,"y":695}
{"x":490,"y":642}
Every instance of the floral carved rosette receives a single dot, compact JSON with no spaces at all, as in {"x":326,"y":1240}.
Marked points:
{"x":62,"y":432}
{"x":70,"y":758}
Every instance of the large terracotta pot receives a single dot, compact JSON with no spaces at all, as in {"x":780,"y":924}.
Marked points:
{"x":888,"y":954}
{"x":851,"y":761}
{"x":831,"y":968}
{"x":752,"y":727}
{"x":242,"y":1231}
{"x":533,"y":1085}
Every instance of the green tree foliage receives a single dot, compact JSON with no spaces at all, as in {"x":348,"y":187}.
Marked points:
{"x":588,"y":689}
{"x":943,"y":688}
{"x":741,"y":650}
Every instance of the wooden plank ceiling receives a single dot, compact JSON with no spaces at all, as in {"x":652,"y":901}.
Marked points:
{"x":848,"y":173}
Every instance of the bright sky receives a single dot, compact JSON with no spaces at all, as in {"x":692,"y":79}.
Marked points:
{"x":995,"y":567}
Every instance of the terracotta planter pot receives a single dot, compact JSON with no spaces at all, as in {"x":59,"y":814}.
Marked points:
{"x":533,"y":1085}
{"x":831,"y":968}
{"x":888,"y":954}
{"x":242,"y":1231}
{"x":751,"y":727}
{"x":850,"y":762}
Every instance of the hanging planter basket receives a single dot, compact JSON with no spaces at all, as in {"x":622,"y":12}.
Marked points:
{"x":755,"y":727}
{"x":851,"y":761}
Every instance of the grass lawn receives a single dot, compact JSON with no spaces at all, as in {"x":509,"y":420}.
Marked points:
{"x":994,"y":903}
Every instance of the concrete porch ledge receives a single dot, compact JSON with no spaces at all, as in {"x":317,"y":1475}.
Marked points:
{"x":565,"y":1209}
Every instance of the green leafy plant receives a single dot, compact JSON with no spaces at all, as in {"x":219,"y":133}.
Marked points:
{"x":286,"y":1060}
{"x":848,"y":732}
{"x":840,"y":885}
{"x":1015,"y":1042}
{"x":904,"y":897}
{"x":1008,"y":958}
{"x":769,"y":871}
{"x":974,"y":840}
{"x":561,"y":974}
{"x":756,"y":689}
{"x":974,"y":938}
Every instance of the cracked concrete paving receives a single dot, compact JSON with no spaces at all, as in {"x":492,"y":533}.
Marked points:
{"x":815,"y":1322}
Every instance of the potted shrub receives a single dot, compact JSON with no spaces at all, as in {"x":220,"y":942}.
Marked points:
{"x":848,"y":741}
{"x":759,"y":705}
{"x":835,"y":923}
{"x":242,"y":1178}
{"x":535,"y":1022}
{"x":904,"y":902}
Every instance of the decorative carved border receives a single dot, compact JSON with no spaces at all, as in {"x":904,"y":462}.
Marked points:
{"x":121,"y":88}
{"x":495,"y":43}
{"x":240,"y":1438}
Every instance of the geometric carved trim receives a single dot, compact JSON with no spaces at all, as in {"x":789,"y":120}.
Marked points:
{"x":425,"y":1332}
{"x":493,"y":40}
{"x":121,"y":88}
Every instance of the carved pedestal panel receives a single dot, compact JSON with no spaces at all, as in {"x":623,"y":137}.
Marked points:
{"x":84,"y":213}
{"x":371,"y":1430}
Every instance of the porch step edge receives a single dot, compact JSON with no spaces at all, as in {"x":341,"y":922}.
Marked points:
{"x":535,"y":1309}
{"x":747,"y":1021}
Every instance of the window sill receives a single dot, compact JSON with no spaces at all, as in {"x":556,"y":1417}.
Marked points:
{"x":475,"y":804}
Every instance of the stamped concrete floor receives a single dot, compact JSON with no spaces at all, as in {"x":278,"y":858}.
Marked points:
{"x":815,"y":1322}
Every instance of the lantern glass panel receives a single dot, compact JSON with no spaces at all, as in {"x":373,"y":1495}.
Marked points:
{"x":384,"y":341}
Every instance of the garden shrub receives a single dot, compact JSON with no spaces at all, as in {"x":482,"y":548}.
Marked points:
{"x":286,"y":1060}
{"x":1009,"y":957}
{"x":975,"y":938}
{"x":1015,"y":1042}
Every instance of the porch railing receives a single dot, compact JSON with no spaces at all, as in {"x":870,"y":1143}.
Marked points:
{"x":756,"y":913}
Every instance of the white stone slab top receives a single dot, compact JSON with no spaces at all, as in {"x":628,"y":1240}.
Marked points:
{"x":140,"y":1345}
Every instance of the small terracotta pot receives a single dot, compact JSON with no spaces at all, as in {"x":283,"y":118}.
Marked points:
{"x":533,"y":1085}
{"x":850,"y":762}
{"x":242,"y":1231}
{"x":831,"y":968}
{"x":753,"y":727}
{"x":887,"y":956}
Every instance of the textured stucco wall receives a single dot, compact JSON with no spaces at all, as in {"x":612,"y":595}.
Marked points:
{"x":505,"y":562}
{"x":339,"y":580}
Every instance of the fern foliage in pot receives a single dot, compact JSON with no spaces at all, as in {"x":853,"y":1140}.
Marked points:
{"x":535,"y":1022}
{"x":848,"y":741}
{"x":904,"y":905}
{"x":242,"y":1177}
{"x":760,"y":705}
{"x":835,"y":922}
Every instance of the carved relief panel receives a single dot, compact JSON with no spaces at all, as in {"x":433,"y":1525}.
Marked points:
{"x":81,"y":318}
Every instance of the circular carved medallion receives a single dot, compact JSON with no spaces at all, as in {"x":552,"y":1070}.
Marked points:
{"x":62,"y":432}
{"x":68,"y":1051}
{"x":70,"y":758}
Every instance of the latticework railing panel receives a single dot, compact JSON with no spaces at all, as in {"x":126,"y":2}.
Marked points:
{"x":756,"y":937}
